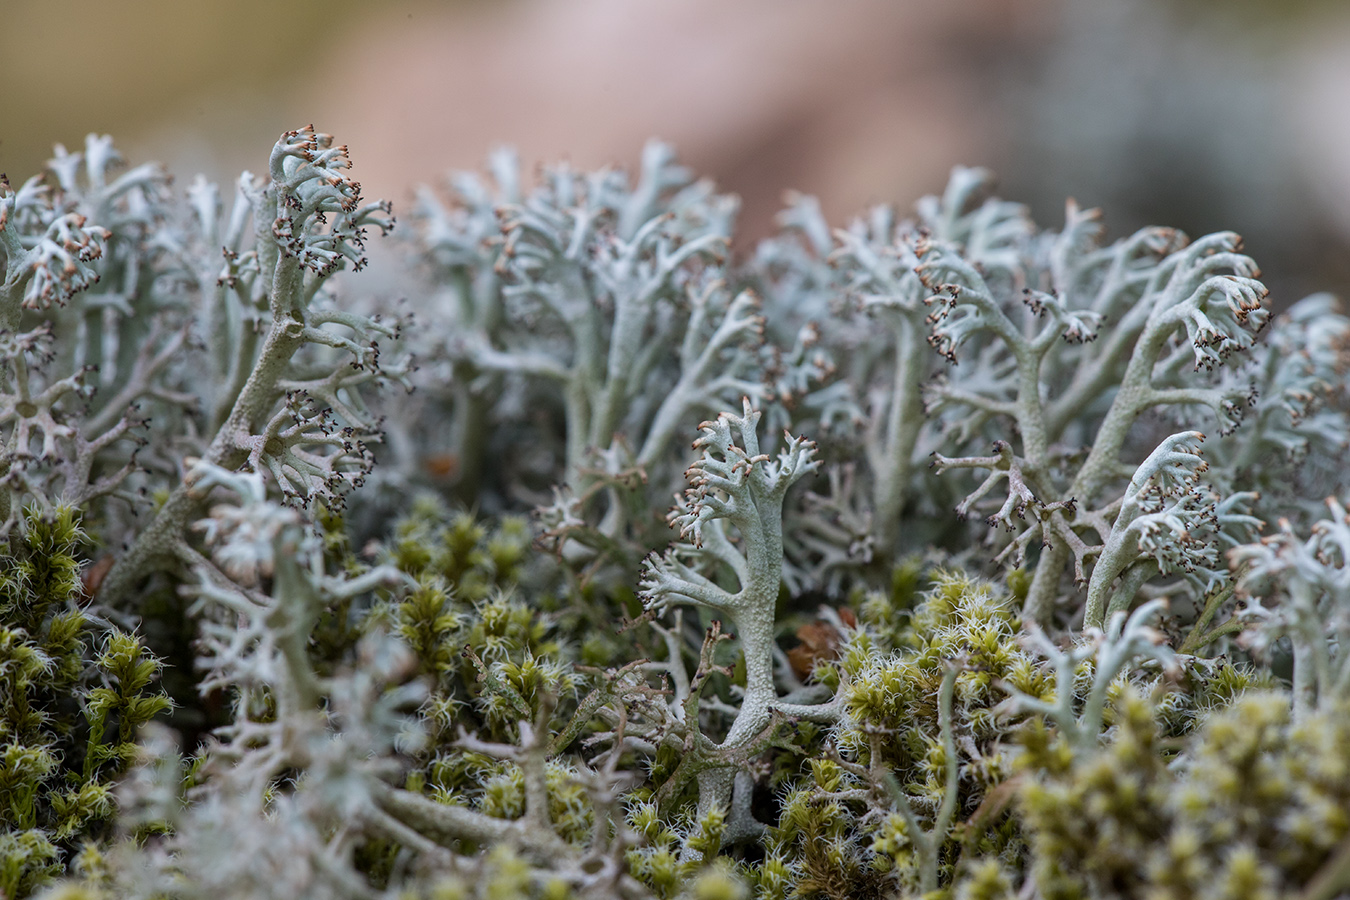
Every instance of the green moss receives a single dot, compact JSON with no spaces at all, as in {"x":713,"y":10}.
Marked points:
{"x":1255,"y":806}
{"x":73,"y":698}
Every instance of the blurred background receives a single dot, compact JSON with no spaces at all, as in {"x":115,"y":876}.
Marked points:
{"x":1203,"y":114}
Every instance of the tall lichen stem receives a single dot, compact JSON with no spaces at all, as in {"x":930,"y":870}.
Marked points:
{"x":155,"y":547}
{"x":894,"y":464}
{"x":11,"y":311}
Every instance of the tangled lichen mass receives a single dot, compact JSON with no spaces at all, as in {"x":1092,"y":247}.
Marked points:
{"x":1005,"y":561}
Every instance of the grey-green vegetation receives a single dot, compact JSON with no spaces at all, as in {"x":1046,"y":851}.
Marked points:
{"x":999,"y":566}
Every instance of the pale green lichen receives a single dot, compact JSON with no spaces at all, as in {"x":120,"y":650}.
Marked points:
{"x":832,"y":690}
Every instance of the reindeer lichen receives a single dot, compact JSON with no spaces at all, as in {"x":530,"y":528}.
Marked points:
{"x":242,"y":657}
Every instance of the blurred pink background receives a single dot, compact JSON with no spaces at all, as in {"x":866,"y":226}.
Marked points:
{"x":1199,"y":114}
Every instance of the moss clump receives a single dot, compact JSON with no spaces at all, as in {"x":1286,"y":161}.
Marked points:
{"x":1256,"y":806}
{"x":73,"y":696}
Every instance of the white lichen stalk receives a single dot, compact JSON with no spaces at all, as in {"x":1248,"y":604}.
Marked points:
{"x":310,"y":222}
{"x":734,"y":484}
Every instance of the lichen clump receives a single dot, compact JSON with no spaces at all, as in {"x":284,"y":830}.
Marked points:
{"x":1000,"y":564}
